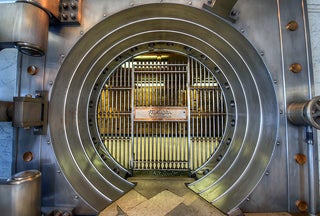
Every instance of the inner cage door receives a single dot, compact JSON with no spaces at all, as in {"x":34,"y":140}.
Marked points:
{"x":166,"y":113}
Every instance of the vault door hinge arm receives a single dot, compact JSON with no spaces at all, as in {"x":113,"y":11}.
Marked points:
{"x":31,"y":112}
{"x":223,"y":8}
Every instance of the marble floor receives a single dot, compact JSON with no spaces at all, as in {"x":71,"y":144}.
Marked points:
{"x":164,"y":196}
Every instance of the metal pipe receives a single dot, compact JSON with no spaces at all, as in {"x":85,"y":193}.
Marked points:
{"x":311,"y":172}
{"x":6,"y":111}
{"x":25,"y":27}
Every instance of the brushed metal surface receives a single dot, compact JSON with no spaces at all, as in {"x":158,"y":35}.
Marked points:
{"x":261,"y":22}
{"x":25,"y":27}
{"x":117,"y":34}
{"x":23,"y":187}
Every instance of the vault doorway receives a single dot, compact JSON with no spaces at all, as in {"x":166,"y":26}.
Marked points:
{"x":161,"y":111}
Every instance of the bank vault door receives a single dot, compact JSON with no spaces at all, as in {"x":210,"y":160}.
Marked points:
{"x":161,"y":114}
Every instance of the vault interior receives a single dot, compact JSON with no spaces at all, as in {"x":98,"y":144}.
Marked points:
{"x":161,"y":111}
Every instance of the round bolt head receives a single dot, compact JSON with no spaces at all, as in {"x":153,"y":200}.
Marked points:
{"x":295,"y":68}
{"x":300,"y":159}
{"x":302,"y":205}
{"x":32,"y":70}
{"x":292,"y":25}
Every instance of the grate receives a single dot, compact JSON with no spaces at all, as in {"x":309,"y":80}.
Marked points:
{"x":161,"y":115}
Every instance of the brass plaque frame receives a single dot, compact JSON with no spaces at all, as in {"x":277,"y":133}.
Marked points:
{"x":158,"y":113}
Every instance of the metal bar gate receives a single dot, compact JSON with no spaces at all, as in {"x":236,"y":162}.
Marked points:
{"x":163,"y":115}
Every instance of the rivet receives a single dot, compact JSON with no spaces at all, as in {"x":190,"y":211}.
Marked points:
{"x":226,"y":85}
{"x":302,"y":205}
{"x":203,"y":57}
{"x":295,"y":68}
{"x":64,"y":16}
{"x":267,"y":173}
{"x":81,"y":32}
{"x":292,"y":25}
{"x":65,"y":5}
{"x":58,"y":171}
{"x":232,"y":104}
{"x":262,"y":53}
{"x":242,"y":30}
{"x":281,"y":112}
{"x":228,"y":141}
{"x":248,"y":199}
{"x":32,"y":70}
{"x":300,"y":159}
{"x":219,"y":158}
{"x":278,"y":143}
{"x":50,"y":83}
{"x":190,"y":2}
{"x":76,"y":196}
{"x":27,"y":156}
{"x":73,"y":16}
{"x":104,"y":15}
{"x":131,"y":4}
{"x":275,"y":81}
{"x":233,"y":122}
{"x":74,"y":5}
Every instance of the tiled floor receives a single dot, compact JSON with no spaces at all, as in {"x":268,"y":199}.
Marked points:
{"x":161,"y":196}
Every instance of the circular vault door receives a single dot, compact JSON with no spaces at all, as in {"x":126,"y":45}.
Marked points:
{"x":245,"y":149}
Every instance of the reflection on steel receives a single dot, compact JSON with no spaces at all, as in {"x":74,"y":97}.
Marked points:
{"x":25,"y":27}
{"x":305,"y":113}
{"x":23,"y":187}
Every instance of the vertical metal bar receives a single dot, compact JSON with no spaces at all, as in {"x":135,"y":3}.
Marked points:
{"x":116,"y":121}
{"x":152,"y":152}
{"x":214,"y":105}
{"x":157,"y":148}
{"x":112,"y":118}
{"x":160,"y":146}
{"x":108,"y":116}
{"x":188,"y":102}
{"x":218,"y":110}
{"x":205,"y":150}
{"x":105,"y":115}
{"x":170,"y":149}
{"x":132,"y":114}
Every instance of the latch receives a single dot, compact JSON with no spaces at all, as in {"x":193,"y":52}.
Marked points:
{"x":305,"y":113}
{"x":31,"y":112}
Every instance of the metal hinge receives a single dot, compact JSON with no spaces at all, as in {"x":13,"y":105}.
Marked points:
{"x":223,"y":8}
{"x":31,"y":112}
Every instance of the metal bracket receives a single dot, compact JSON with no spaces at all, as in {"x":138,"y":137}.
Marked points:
{"x":59,"y":11}
{"x":31,"y":112}
{"x":70,"y":11}
{"x":223,"y":8}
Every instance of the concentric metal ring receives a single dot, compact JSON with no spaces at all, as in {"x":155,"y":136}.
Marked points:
{"x":250,"y":94}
